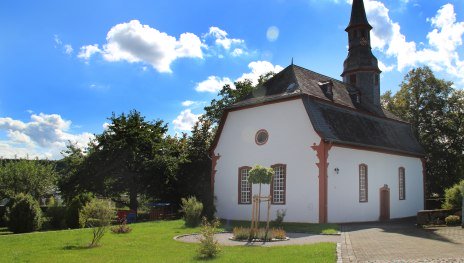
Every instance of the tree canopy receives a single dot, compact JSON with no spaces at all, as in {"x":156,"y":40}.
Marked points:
{"x":436,"y":112}
{"x":132,"y":156}
{"x":34,"y":177}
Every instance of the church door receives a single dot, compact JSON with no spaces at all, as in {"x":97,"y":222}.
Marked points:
{"x":384,"y":203}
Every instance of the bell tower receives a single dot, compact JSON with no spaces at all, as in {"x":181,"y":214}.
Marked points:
{"x":361,"y":66}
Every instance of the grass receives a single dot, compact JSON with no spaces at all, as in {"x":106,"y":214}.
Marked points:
{"x":148,"y":242}
{"x":326,"y":229}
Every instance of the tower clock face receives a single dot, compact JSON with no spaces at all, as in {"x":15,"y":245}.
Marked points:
{"x":363,"y":41}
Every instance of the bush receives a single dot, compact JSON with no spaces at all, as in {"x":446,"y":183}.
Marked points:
{"x":97,"y":214}
{"x":74,"y":207}
{"x":280,"y":217}
{"x":453,"y":220}
{"x":57,"y":217}
{"x":122,"y":227}
{"x":453,"y":196}
{"x":209,"y":247}
{"x":25,"y":214}
{"x":192,"y":209}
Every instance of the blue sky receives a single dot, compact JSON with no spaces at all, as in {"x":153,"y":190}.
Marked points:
{"x":65,"y":66}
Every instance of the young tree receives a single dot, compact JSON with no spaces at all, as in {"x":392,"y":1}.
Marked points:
{"x":435,"y":111}
{"x":97,"y":215}
{"x":33,"y":177}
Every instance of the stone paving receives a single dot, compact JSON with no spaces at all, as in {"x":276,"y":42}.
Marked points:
{"x":401,"y":241}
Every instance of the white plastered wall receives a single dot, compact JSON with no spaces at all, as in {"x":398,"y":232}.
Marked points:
{"x":291,"y":136}
{"x":343,"y":188}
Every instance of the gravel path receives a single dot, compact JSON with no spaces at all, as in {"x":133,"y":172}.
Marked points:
{"x":295,"y":239}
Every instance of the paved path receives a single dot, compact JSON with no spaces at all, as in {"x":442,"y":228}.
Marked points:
{"x":401,"y":242}
{"x":295,"y":239}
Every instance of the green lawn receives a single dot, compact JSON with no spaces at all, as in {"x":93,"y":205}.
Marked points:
{"x":327,"y":229}
{"x":148,"y":242}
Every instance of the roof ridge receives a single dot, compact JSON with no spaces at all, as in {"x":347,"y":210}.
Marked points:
{"x":322,"y":75}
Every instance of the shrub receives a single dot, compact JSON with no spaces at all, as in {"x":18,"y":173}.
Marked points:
{"x":25,"y":214}
{"x":244,"y":233}
{"x":452,"y":220}
{"x":241,"y":233}
{"x":57,"y":217}
{"x":122,"y":227}
{"x":192,"y":209}
{"x":209,"y":247}
{"x":453,"y":196}
{"x":73,"y":208}
{"x":280,"y":217}
{"x":97,"y":214}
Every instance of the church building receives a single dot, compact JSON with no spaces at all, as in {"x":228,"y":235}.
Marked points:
{"x":338,"y":156}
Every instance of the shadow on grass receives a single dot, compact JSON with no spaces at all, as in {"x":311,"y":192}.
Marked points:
{"x":78,"y":247}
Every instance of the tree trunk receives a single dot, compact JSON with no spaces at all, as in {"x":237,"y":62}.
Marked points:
{"x":133,"y":204}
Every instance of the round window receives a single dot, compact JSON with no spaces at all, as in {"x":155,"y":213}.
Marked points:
{"x":261,"y":137}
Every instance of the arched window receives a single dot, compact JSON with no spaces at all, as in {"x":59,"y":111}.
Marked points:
{"x":402,"y":183}
{"x":363,"y":187}
{"x":279,"y":184}
{"x":244,"y":187}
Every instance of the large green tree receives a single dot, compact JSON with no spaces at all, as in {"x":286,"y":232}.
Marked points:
{"x":435,"y":111}
{"x":34,"y":177}
{"x":131,"y":157}
{"x":68,"y":168}
{"x":195,"y":175}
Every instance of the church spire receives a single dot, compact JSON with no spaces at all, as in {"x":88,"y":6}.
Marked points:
{"x":361,"y":66}
{"x":358,"y":15}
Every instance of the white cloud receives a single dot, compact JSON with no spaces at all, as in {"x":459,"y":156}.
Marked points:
{"x":222,"y":39}
{"x":133,"y":42}
{"x":237,"y":52}
{"x":193,"y":104}
{"x":441,"y":51}
{"x":105,"y":126}
{"x":44,"y":136}
{"x":88,"y":51}
{"x":188,"y":103}
{"x":68,"y":49}
{"x":185,"y":120}
{"x":272,"y":33}
{"x":259,"y":68}
{"x":213,"y":84}
{"x":57,"y":40}
{"x":385,"y":68}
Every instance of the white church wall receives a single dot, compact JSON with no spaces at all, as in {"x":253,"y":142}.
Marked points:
{"x":343,"y":188}
{"x":290,"y":139}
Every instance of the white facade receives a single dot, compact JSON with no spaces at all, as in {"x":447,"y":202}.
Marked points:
{"x":290,"y":139}
{"x":291,"y":136}
{"x":343,"y":188}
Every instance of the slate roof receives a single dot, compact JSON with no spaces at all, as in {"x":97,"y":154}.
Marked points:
{"x":358,"y":15}
{"x":337,"y":116}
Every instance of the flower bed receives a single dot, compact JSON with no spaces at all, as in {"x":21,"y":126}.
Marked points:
{"x":247,"y":234}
